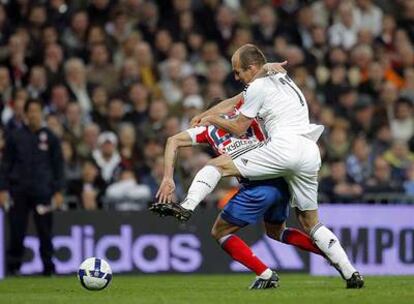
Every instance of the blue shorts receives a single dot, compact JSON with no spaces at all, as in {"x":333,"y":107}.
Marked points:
{"x":267,"y":200}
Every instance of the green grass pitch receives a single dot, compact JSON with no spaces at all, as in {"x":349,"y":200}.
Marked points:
{"x":199,"y":289}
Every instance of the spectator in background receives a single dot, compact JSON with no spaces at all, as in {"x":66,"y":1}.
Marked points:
{"x":72,"y":168}
{"x":152,"y":149}
{"x":399,"y":158}
{"x":128,"y":148}
{"x":266,"y":28}
{"x":126,"y":194}
{"x":89,"y":141}
{"x":409,"y":183}
{"x":163,"y":42}
{"x":59,"y":101}
{"x":326,"y":10}
{"x":127,"y":49}
{"x":74,"y":37}
{"x":147,"y":70}
{"x":17,"y":120}
{"x":171,"y":84}
{"x":115,"y":115}
{"x":338,"y":144}
{"x":363,"y":117}
{"x":100,"y":70}
{"x":381,"y":180}
{"x":401,"y":119}
{"x":107,"y":157}
{"x":120,"y":27}
{"x":368,"y":16}
{"x":53,"y":123}
{"x":99,"y":107}
{"x":138,"y":96}
{"x":157,"y":114}
{"x":73,"y":123}
{"x":6,"y":88}
{"x":86,"y":192}
{"x":171,"y":127}
{"x":37,"y":87}
{"x":129,"y":75}
{"x":2,"y":143}
{"x":192,"y":105}
{"x":153,"y":179}
{"x":344,"y":32}
{"x":359,"y":163}
{"x":53,"y":62}
{"x":338,"y":187}
{"x":80,"y":90}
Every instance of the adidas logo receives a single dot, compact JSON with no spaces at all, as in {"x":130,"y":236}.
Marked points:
{"x":203,"y":182}
{"x":331,"y":243}
{"x":244,"y":161}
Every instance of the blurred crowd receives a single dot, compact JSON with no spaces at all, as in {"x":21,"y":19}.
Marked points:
{"x":117,"y":78}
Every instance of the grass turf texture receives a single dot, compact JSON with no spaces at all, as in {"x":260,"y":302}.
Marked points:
{"x":297,"y":289}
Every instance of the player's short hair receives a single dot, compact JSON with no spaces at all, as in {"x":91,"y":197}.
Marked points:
{"x":249,"y":54}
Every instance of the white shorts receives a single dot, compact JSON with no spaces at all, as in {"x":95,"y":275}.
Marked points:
{"x":294,"y":157}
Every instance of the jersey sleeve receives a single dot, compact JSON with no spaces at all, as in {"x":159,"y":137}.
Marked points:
{"x":198,"y":135}
{"x":253,"y":99}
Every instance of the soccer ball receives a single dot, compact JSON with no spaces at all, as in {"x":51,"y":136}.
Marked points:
{"x":94,"y":274}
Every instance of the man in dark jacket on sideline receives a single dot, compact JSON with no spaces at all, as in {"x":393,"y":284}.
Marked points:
{"x":31,"y":173}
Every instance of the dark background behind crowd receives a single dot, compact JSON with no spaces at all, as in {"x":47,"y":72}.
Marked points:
{"x":117,"y":78}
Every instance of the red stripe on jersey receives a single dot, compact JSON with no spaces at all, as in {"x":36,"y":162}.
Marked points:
{"x":202,"y":138}
{"x":257,"y":130}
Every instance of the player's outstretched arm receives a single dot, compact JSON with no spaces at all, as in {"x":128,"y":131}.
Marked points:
{"x":236,"y":126}
{"x":224,"y":106}
{"x":167,"y":187}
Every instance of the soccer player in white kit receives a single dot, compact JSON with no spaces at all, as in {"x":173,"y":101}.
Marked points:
{"x":291,"y":151}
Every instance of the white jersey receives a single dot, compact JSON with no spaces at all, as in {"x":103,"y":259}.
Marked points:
{"x":281,"y":105}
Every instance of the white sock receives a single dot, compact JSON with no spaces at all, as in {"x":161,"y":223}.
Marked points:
{"x":203,"y":184}
{"x":267,"y":274}
{"x":329,"y":244}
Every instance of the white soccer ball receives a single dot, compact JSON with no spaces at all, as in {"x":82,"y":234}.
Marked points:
{"x":94,"y":274}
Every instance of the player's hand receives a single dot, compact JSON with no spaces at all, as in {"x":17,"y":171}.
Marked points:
{"x":4,"y":196}
{"x":166,"y":191}
{"x":196,"y":121}
{"x":275,"y":67}
{"x":205,"y":121}
{"x":57,"y":200}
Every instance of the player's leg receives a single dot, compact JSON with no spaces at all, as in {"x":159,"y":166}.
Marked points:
{"x":205,"y":181}
{"x":18,"y":220}
{"x":247,"y":207}
{"x":291,"y":236}
{"x":238,"y":250}
{"x":304,"y":188}
{"x":259,"y":162}
{"x":44,"y":227}
{"x":275,"y":221}
{"x":329,"y":244}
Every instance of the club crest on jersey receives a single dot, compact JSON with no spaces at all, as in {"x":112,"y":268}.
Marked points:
{"x":43,"y":144}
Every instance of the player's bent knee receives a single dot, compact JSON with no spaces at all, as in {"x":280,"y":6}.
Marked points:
{"x":216,"y":233}
{"x":307,"y":219}
{"x":225,"y":165}
{"x":274,"y":231}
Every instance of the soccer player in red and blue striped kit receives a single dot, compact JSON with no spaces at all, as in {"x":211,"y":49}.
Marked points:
{"x":255,"y":200}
